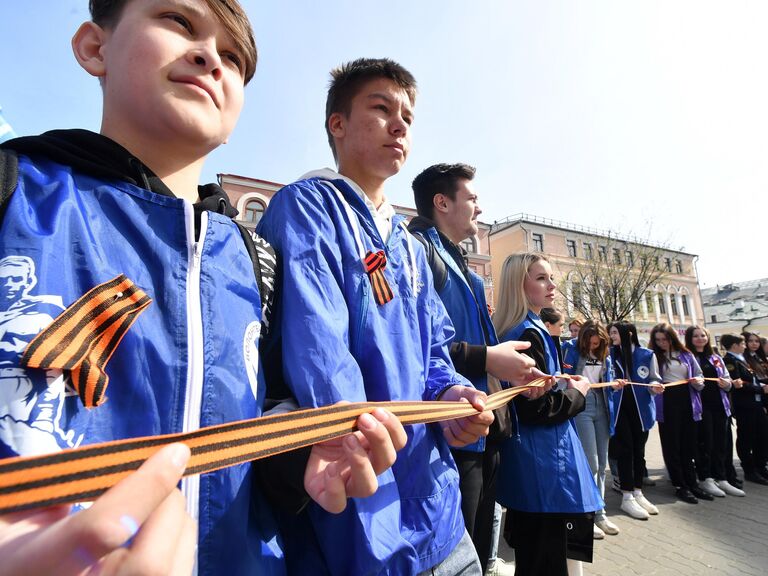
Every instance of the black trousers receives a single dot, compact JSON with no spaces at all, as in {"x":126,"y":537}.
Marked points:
{"x":544,"y":542}
{"x":627,"y":446}
{"x":712,"y":447}
{"x":751,"y":436}
{"x":477,"y":482}
{"x":678,"y":438}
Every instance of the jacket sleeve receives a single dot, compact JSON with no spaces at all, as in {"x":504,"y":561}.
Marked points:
{"x":554,"y":407}
{"x":311,"y":321}
{"x":469,"y":359}
{"x":441,"y":373}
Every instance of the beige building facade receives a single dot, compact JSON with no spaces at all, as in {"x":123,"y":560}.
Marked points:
{"x":251,"y":196}
{"x":674,"y":298}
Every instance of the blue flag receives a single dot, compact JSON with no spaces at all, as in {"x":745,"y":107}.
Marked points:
{"x":6,"y":132}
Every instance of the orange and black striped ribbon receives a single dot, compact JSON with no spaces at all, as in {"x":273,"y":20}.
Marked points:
{"x":375,"y":262}
{"x":82,"y":474}
{"x":82,"y":339}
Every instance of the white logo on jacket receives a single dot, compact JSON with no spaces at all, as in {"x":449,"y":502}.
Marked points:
{"x":643,"y":371}
{"x":31,"y":403}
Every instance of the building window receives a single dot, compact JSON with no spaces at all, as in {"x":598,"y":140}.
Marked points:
{"x":662,"y":304}
{"x":616,"y":256}
{"x":469,"y":245}
{"x":254,"y":210}
{"x":668,"y":264}
{"x":678,"y":267}
{"x":538,"y":241}
{"x":602,"y":253}
{"x":656,"y":262}
{"x":649,"y":301}
{"x":685,"y":305}
{"x":673,"y":301}
{"x":588,"y":251}
{"x":714,"y":318}
{"x":571,"y":245}
{"x":630,"y":258}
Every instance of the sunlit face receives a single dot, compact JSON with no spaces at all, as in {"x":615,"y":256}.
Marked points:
{"x":539,"y":285}
{"x":614,"y":335}
{"x":662,"y":341}
{"x":172,"y":73}
{"x":699,"y":339}
{"x":461,"y":212}
{"x":753,"y":343}
{"x":373,"y":141}
{"x":574,"y":329}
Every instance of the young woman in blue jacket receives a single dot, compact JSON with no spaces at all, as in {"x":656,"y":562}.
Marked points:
{"x":589,"y":358}
{"x":545,"y":480}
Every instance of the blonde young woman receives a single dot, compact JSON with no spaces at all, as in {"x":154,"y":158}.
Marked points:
{"x":545,"y":480}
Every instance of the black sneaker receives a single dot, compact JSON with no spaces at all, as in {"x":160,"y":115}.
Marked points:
{"x":700,"y":494}
{"x":686,"y":496}
{"x":756,"y":478}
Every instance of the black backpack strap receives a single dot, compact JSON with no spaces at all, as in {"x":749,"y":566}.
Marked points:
{"x":264,"y":269}
{"x":9,"y":176}
{"x":436,"y":264}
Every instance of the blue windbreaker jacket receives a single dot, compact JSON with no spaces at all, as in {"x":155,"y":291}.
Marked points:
{"x":468,"y":311}
{"x":339,"y":344}
{"x":178,"y":368}
{"x":644,"y":400}
{"x":543,"y":468}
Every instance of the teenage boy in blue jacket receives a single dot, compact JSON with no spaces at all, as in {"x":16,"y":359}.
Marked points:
{"x":86,"y":207}
{"x":358,"y":319}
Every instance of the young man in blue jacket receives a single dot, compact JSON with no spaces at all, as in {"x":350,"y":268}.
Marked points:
{"x":447,"y":207}
{"x":358,"y":319}
{"x":80,"y":209}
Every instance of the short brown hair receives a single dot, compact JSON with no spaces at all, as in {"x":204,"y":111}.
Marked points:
{"x":438,"y":179}
{"x":107,"y":13}
{"x":350,"y":77}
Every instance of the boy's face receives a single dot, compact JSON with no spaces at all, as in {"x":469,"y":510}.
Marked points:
{"x":171,"y":73}
{"x":376,"y":136}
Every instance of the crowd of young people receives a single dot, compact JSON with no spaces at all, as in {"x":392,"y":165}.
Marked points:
{"x":336,"y":300}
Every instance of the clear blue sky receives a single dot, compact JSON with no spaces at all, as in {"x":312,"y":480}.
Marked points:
{"x":648,"y":117}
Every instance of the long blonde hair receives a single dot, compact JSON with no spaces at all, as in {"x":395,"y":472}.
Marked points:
{"x":513,"y":303}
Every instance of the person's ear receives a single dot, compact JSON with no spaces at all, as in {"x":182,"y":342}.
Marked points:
{"x":440,"y":203}
{"x":87,"y":45}
{"x":337,"y":125}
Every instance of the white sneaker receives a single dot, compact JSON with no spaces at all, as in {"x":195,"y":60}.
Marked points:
{"x":607,"y":526}
{"x":711,"y":488}
{"x":646,"y":505}
{"x":597,"y":533}
{"x":631,"y":507}
{"x":500,"y":568}
{"x":729,"y":488}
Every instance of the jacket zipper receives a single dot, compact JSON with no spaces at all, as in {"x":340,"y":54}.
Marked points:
{"x":190,"y":486}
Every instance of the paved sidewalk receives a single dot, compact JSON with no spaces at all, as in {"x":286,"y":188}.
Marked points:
{"x":726,"y":537}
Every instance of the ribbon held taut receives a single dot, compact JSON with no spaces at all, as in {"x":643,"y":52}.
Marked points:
{"x":82,"y":474}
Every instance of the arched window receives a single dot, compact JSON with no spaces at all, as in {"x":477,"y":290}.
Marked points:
{"x":254,"y":210}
